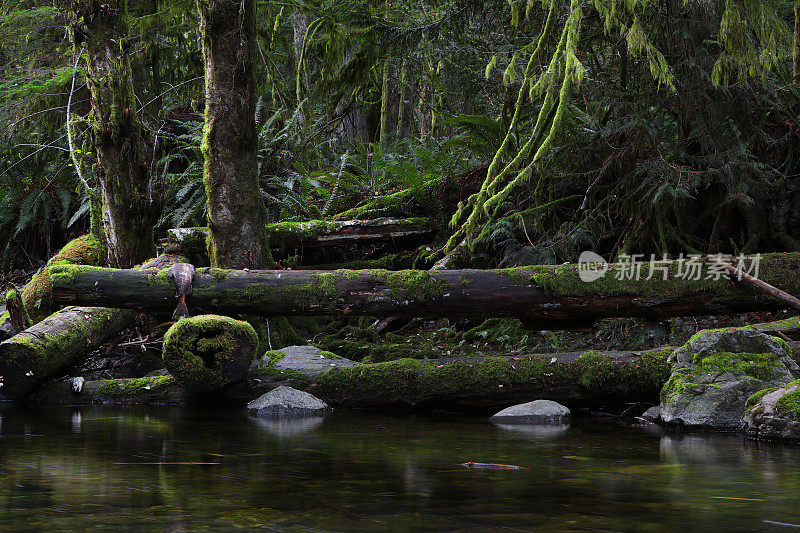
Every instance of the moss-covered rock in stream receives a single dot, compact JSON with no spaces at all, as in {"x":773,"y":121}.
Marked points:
{"x":207,"y":352}
{"x":774,"y":413}
{"x":715,"y":373}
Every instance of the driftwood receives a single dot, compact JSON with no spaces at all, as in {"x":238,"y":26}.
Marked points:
{"x":61,"y":340}
{"x":479,"y":383}
{"x":314,"y":233}
{"x":544,"y":297}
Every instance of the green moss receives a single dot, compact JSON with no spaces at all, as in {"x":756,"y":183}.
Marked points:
{"x":413,"y":381}
{"x":327,"y":283}
{"x":407,"y":284}
{"x":759,"y":366}
{"x":131,"y":388}
{"x":81,"y":251}
{"x":756,"y":398}
{"x":563,"y":280}
{"x":66,"y":275}
{"x":790,"y":404}
{"x":296,"y":379}
{"x":37,"y":296}
{"x":208,"y":351}
{"x":674,"y":386}
{"x":220,"y":274}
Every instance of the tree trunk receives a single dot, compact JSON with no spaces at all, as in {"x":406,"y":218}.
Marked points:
{"x":383,"y":136}
{"x":796,"y":45}
{"x":401,"y":105}
{"x":480,"y":383}
{"x":237,"y":218}
{"x":545,"y":297}
{"x":62,"y":340}
{"x":117,"y":133}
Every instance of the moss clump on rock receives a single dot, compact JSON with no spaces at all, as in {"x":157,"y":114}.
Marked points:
{"x":207,"y":352}
{"x":789,"y":403}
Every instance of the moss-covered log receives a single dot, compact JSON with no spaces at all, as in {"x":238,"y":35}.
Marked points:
{"x":315,"y":233}
{"x":61,"y":340}
{"x":486,"y":384}
{"x":37,"y":298}
{"x":54,"y":344}
{"x":542,"y":296}
{"x":207,"y":352}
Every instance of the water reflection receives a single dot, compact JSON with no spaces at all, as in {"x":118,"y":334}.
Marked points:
{"x":180,"y":470}
{"x":536,"y":431}
{"x":287,"y":427}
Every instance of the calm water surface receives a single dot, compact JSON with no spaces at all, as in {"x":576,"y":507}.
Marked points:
{"x":101,"y":469}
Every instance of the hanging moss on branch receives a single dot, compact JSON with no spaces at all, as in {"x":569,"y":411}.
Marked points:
{"x":207,"y":352}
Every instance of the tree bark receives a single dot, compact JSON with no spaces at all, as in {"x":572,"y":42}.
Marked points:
{"x":480,"y":383}
{"x":542,"y":296}
{"x":61,"y":340}
{"x":237,"y":218}
{"x":117,"y":133}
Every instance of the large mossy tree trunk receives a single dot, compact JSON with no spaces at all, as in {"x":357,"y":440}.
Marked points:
{"x":237,"y":218}
{"x":118,"y":136}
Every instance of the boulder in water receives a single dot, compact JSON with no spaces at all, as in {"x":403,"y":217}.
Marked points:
{"x":286,"y":402}
{"x":716,"y":371}
{"x":774,"y":414}
{"x":535,"y":412}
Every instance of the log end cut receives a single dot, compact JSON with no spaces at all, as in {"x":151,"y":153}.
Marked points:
{"x":206,"y":352}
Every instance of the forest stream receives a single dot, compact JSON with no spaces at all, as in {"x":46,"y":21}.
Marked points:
{"x":136,"y":469}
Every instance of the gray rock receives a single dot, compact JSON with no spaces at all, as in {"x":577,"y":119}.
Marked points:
{"x":308,"y":359}
{"x":76,"y":384}
{"x":771,"y":419}
{"x":286,"y":402}
{"x":535,"y":412}
{"x":715,"y":373}
{"x":653,"y":414}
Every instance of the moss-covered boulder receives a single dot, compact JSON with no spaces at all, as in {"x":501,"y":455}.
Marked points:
{"x":206,"y":352}
{"x":715,"y":373}
{"x":774,"y":413}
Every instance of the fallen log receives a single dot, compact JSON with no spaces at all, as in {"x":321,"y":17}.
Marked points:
{"x":314,"y":233}
{"x":61,"y":340}
{"x":479,"y":383}
{"x":538,"y":295}
{"x":207,"y":352}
